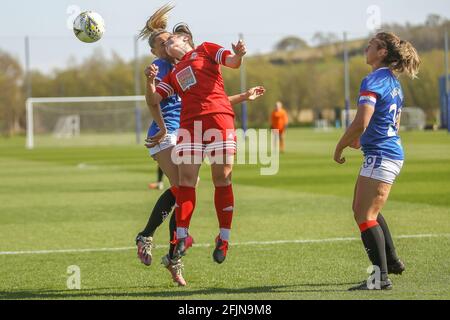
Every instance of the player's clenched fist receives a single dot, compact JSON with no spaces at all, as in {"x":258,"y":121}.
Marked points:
{"x":151,"y":72}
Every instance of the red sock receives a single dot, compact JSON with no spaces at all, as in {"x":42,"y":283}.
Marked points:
{"x":174,"y":191}
{"x":185,"y":206}
{"x":367,"y":225}
{"x":224,"y":201}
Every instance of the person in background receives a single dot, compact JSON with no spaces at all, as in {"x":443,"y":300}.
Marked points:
{"x":279,"y":121}
{"x":159,"y":184}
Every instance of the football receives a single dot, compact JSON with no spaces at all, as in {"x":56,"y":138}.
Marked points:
{"x":89,"y":27}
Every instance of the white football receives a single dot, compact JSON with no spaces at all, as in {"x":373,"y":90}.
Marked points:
{"x":89,"y":27}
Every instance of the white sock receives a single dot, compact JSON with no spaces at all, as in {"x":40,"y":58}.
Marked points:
{"x":182,"y":233}
{"x":225,"y":234}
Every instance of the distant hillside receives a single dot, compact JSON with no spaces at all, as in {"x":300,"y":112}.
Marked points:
{"x":315,"y":53}
{"x":425,"y":37}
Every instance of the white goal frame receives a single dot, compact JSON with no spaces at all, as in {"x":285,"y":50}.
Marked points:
{"x":32,"y":101}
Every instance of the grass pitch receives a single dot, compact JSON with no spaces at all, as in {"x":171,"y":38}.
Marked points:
{"x":96,"y":197}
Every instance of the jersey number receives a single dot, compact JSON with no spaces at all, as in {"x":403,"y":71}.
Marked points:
{"x":392,"y":132}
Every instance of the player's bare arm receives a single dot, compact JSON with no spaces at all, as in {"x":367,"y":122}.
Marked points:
{"x":151,"y":96}
{"x":153,"y":100}
{"x":354,"y":132}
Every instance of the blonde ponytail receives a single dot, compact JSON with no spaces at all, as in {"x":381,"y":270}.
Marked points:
{"x":156,"y":24}
{"x":409,"y":59}
{"x":402,"y":57}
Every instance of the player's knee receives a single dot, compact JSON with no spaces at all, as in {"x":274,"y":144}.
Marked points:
{"x":221,"y":179}
{"x":173,"y":179}
{"x":188,"y":180}
{"x":174,"y":182}
{"x":382,"y":195}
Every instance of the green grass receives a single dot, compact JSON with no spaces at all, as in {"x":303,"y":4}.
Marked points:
{"x":48,"y":201}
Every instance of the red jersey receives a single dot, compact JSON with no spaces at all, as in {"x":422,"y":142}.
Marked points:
{"x":198,"y":80}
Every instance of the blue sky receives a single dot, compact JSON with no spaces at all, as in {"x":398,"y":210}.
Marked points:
{"x":263,"y":22}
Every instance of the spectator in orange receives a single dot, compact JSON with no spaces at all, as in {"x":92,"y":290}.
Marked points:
{"x":279,"y":121}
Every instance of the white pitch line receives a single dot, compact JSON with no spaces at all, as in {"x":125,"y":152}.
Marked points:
{"x":206,"y":245}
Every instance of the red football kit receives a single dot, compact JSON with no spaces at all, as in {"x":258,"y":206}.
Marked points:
{"x":206,"y":128}
{"x":198,"y":80}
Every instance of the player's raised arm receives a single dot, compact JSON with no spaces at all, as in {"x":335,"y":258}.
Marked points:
{"x":354,"y":132}
{"x":234,"y":61}
{"x":249,"y":95}
{"x":151,"y":96}
{"x":153,"y":100}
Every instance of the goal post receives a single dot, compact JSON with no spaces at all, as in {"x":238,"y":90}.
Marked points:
{"x":102,"y":114}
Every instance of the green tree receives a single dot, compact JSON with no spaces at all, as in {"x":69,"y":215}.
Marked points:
{"x":11,"y":98}
{"x":291,"y":43}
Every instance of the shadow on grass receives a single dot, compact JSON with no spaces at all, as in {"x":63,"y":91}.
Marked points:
{"x":169,"y":293}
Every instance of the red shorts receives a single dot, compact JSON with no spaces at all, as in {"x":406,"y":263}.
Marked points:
{"x":211,"y":134}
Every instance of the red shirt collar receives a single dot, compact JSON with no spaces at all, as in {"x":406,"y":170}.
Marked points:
{"x":185,"y":57}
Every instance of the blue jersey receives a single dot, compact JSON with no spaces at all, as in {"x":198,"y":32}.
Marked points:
{"x":170,"y":107}
{"x":382,"y":90}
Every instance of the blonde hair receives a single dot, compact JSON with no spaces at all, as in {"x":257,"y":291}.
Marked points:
{"x":156,"y":24}
{"x":402,"y":57}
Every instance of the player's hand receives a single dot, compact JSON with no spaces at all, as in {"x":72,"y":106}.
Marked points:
{"x":254,"y":93}
{"x":151,"y":142}
{"x":151,"y":72}
{"x":239,"y":49}
{"x":338,"y":156}
{"x":356,"y":144}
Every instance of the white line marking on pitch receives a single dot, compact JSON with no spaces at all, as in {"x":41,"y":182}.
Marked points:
{"x":206,"y":245}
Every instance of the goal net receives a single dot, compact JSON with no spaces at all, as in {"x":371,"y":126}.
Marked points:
{"x":86,"y":121}
{"x":413,"y":119}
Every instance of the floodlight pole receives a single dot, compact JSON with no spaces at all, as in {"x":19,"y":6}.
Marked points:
{"x":137,"y":89}
{"x":447,"y":89}
{"x":29,"y":93}
{"x":347,"y":83}
{"x":243,"y":89}
{"x":29,"y":90}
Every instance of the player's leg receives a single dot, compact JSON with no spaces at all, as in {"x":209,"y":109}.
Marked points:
{"x":186,"y":199}
{"x":281,"y":137}
{"x":395,"y":265}
{"x":370,"y":197}
{"x":172,"y":234}
{"x":221,"y":149}
{"x":224,"y":203}
{"x":162,"y":208}
{"x":174,"y":266}
{"x":276,"y":139}
{"x":167,"y":200}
